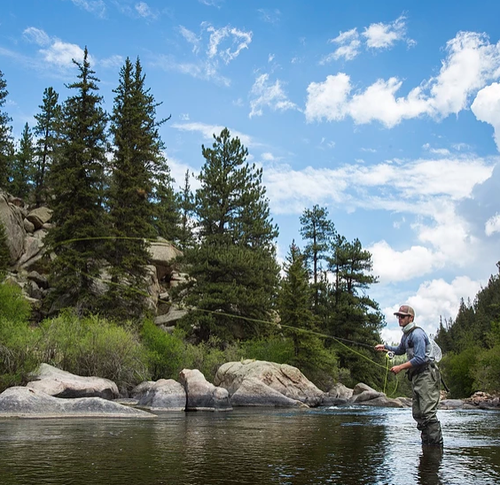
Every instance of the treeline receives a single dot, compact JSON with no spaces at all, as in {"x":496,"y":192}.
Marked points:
{"x":108,"y":183}
{"x":471,"y":343}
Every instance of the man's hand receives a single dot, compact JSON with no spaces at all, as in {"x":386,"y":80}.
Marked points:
{"x":397,"y":369}
{"x":380,"y":348}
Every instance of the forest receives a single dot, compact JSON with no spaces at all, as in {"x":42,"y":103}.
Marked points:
{"x":108,"y":184}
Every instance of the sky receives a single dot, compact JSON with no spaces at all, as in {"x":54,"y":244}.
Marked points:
{"x":385,"y":113}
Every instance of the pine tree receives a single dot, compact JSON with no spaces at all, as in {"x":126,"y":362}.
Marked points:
{"x":77,"y":181}
{"x":354,"y":316}
{"x":186,"y":205}
{"x":234,"y":269}
{"x":47,"y":131}
{"x":136,"y":162}
{"x":6,"y":143}
{"x":295,"y":298}
{"x":22,"y":166}
{"x":318,"y":231}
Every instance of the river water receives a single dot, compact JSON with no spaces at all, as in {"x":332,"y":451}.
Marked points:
{"x":344,"y":446}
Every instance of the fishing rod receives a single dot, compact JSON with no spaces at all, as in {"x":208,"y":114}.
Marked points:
{"x":339,"y":340}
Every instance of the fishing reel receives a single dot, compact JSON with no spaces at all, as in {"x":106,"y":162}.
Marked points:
{"x":390,"y":354}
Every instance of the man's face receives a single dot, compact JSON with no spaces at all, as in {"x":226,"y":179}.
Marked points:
{"x":403,"y":320}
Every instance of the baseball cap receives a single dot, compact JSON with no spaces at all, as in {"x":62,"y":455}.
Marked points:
{"x":405,"y":310}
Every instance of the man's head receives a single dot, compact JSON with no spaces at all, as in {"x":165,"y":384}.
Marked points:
{"x":405,"y":315}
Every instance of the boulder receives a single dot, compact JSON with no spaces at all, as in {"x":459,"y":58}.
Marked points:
{"x":40,"y":216}
{"x":59,"y":383}
{"x":12,"y":218}
{"x":201,"y":394}
{"x":282,"y":378}
{"x":337,"y":395}
{"x":253,"y":392}
{"x":162,"y":256}
{"x":23,"y":402}
{"x":162,"y":395}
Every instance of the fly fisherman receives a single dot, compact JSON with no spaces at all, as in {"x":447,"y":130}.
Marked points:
{"x":423,"y":373}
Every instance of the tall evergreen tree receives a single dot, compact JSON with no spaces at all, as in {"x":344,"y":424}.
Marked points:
{"x":77,"y":181}
{"x":47,"y":131}
{"x":295,"y":299}
{"x":234,"y":270}
{"x":318,"y":232}
{"x":137,"y":160}
{"x":6,"y":143}
{"x":186,"y":205}
{"x":22,"y":165}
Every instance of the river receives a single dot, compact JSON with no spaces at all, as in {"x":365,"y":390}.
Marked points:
{"x":343,"y":446}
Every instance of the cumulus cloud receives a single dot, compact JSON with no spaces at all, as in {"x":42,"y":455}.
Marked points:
{"x":383,"y":36}
{"x":433,"y":299}
{"x":486,"y":107}
{"x":376,"y":36}
{"x":266,"y":94}
{"x":471,"y":62}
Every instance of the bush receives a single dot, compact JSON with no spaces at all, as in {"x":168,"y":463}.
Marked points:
{"x":93,"y":346}
{"x":17,"y":339}
{"x":458,"y":372}
{"x":166,"y":353}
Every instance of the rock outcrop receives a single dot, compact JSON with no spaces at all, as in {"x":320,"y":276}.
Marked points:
{"x":59,"y":383}
{"x":26,"y":230}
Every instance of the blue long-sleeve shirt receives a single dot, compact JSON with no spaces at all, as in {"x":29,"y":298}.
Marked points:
{"x":414,"y":344}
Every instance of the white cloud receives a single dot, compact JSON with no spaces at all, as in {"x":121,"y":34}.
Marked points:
{"x":433,"y":299}
{"x":239,"y":40}
{"x":383,"y":36}
{"x":222,"y":45}
{"x":93,"y":6}
{"x":492,"y":225}
{"x":471,"y":62}
{"x":54,"y":51}
{"x":391,"y":265}
{"x":270,"y":95}
{"x":329,"y":99}
{"x":62,"y":54}
{"x":486,"y":107}
{"x":37,"y":36}
{"x":349,"y":46}
{"x":145,"y":11}
{"x":208,"y":131}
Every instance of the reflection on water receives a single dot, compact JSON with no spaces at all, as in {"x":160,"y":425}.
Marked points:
{"x":341,"y":446}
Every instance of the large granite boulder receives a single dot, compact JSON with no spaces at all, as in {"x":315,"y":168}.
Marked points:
{"x":162,"y":395}
{"x":59,"y":383}
{"x":23,"y":402}
{"x":201,"y":394}
{"x":281,"y":378}
{"x":12,"y":218}
{"x":253,"y":392}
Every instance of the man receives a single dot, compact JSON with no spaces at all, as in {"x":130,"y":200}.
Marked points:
{"x":423,"y":373}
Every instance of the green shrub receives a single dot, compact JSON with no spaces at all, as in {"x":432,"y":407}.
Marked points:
{"x":458,"y":371}
{"x":17,"y":339}
{"x":93,"y":346}
{"x":166,"y":353}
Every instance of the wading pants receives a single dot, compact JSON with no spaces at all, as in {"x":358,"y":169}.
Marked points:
{"x":426,"y":386}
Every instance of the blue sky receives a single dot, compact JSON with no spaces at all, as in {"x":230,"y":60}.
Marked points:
{"x":386,"y":113}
